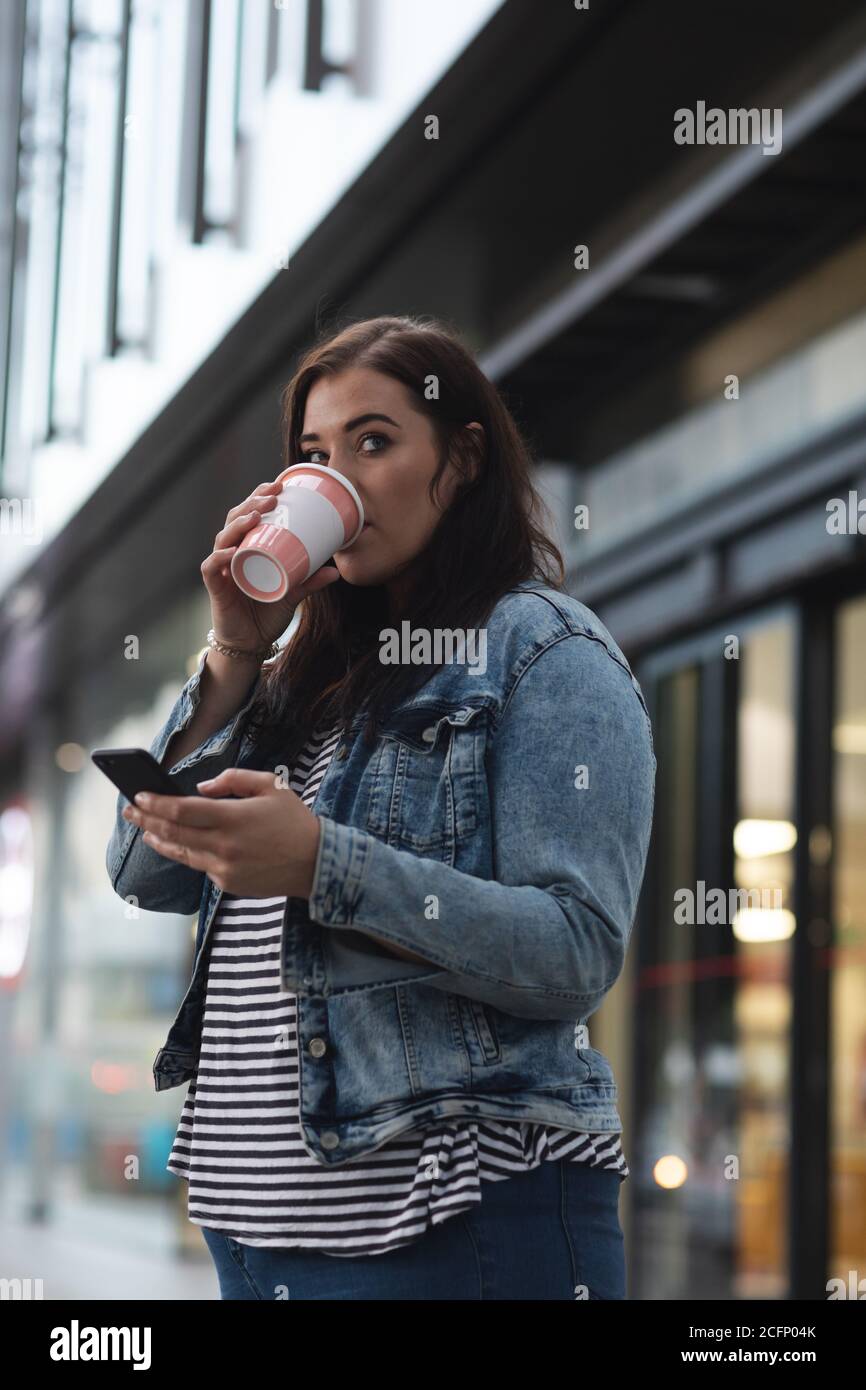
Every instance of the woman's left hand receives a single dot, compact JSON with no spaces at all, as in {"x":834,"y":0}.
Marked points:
{"x":263,"y":845}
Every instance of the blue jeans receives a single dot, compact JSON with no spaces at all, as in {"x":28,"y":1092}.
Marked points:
{"x":550,"y":1233}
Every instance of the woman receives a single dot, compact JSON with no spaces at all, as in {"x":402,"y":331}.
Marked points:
{"x":416,"y":879}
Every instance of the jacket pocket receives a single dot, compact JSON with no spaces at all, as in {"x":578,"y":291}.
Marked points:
{"x":598,"y":1068}
{"x":479,"y":1031}
{"x":428,"y":779}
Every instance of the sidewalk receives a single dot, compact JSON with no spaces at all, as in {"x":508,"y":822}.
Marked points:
{"x":102,"y":1256}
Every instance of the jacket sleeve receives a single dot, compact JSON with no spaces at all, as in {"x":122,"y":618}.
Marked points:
{"x":135,"y":870}
{"x":546,"y":936}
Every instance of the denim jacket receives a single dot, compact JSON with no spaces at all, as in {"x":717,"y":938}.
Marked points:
{"x":499,"y":827}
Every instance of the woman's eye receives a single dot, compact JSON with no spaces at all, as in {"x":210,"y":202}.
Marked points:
{"x":383,"y":441}
{"x":380,"y":442}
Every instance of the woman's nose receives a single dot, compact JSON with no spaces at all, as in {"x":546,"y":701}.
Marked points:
{"x":340,"y":459}
{"x":343,"y":462}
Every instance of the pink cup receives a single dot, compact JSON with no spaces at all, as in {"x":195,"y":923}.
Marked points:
{"x":317,"y":512}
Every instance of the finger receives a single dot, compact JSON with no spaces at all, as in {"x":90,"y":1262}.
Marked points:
{"x":264,"y":492}
{"x":195,"y":811}
{"x":216,"y":568}
{"x":183,"y":837}
{"x":258,"y":502}
{"x":191,"y":858}
{"x":235,"y":532}
{"x":268,"y":489}
{"x":200,"y":841}
{"x":237,"y":781}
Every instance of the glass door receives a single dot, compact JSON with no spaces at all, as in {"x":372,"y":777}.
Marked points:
{"x":711,"y":1099}
{"x":847,"y":959}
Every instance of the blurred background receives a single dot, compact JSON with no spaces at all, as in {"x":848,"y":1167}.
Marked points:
{"x":188,"y":189}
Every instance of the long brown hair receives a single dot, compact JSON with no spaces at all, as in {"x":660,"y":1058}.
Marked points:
{"x":487,"y":540}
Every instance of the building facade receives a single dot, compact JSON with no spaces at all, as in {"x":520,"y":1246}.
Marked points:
{"x":672,"y":297}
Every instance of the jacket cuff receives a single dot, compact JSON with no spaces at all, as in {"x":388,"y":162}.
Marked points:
{"x":341,"y":861}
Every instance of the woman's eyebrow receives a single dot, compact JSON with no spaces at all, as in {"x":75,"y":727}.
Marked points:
{"x":352,"y":425}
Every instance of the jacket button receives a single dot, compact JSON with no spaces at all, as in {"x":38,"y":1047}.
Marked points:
{"x":318,"y":1047}
{"x":343,"y":752}
{"x":330,"y":1140}
{"x":428,"y":735}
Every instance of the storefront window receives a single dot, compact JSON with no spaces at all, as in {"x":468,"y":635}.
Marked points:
{"x":665,"y":1069}
{"x":764,"y":839}
{"x":848,"y":976}
{"x":714,"y":997}
{"x":104,"y":978}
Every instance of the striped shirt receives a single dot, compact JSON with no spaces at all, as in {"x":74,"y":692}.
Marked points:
{"x":239,"y":1142}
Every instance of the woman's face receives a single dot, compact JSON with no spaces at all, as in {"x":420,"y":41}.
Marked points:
{"x":366,"y":426}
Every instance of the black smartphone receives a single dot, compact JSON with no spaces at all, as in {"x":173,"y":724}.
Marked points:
{"x":134,"y":770}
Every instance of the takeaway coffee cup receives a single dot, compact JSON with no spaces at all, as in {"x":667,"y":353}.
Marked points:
{"x":317,"y":512}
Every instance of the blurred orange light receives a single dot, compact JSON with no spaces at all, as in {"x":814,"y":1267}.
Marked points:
{"x":670,"y":1171}
{"x":113,"y":1077}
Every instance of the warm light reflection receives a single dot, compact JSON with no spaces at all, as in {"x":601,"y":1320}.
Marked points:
{"x":670,"y":1171}
{"x":114,"y":1077}
{"x":764,"y":924}
{"x":755,"y":839}
{"x":70,"y":757}
{"x":849,"y":738}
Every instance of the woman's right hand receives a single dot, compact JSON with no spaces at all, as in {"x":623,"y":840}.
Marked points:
{"x":237,"y":620}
